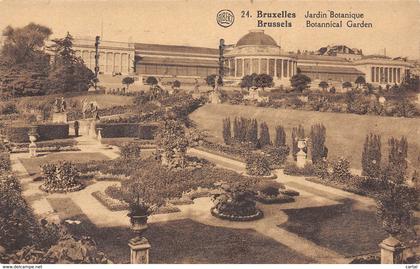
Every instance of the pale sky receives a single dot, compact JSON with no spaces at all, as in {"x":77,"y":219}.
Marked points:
{"x":396,"y":24}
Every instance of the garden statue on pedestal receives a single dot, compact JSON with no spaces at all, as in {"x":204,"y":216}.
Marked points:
{"x":60,"y":107}
{"x":89,"y":107}
{"x":301,"y":155}
{"x":32,"y":138}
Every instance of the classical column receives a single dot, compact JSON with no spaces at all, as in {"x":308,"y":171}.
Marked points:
{"x":390,"y":75}
{"x":275,"y":67}
{"x":372,"y":74}
{"x":243,"y":67}
{"x":236,"y":67}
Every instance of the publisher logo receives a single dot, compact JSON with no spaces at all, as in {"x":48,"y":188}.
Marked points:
{"x":225,"y":18}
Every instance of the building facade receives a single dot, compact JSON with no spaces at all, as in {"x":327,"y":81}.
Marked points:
{"x":255,"y":52}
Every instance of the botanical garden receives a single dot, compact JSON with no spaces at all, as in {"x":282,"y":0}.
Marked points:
{"x":291,"y":177}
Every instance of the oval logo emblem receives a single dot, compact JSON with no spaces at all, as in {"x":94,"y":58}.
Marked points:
{"x":225,"y":18}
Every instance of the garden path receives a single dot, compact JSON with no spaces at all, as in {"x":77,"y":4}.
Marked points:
{"x":89,"y":144}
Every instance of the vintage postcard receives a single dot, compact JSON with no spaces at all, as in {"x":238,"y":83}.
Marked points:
{"x":209,"y":132}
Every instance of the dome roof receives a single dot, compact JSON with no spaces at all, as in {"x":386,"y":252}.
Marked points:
{"x":256,"y":38}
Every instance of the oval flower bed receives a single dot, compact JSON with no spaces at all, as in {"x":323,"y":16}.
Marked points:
{"x":273,"y":199}
{"x":60,"y":178}
{"x":258,"y":215}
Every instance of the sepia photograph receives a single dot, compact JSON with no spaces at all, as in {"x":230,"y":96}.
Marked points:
{"x":256,"y":132}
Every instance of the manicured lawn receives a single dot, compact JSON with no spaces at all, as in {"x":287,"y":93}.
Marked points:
{"x":346,"y":133}
{"x":338,"y":227}
{"x":32,"y":165}
{"x":181,"y":241}
{"x":186,"y":241}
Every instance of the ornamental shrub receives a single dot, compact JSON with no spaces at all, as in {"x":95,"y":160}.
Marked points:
{"x":397,"y":158}
{"x":252,"y":133}
{"x":318,"y":136}
{"x":257,"y":165}
{"x":276,"y":156}
{"x":371,"y":156}
{"x":227,"y":136}
{"x":18,"y":226}
{"x":280,"y":139}
{"x":341,"y":170}
{"x":130,"y":150}
{"x":264,"y":135}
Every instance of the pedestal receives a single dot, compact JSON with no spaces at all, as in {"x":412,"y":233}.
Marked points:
{"x":391,"y":251}
{"x":300,"y":159}
{"x":59,"y":117}
{"x":32,"y":150}
{"x":99,"y":136}
{"x":139,"y":251}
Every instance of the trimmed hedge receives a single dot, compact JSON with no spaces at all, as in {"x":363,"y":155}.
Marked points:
{"x":141,"y":131}
{"x":19,"y":134}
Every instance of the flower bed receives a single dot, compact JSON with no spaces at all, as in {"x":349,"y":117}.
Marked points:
{"x":289,"y":192}
{"x":257,"y":215}
{"x":273,"y":199}
{"x":60,"y":178}
{"x":50,"y":189}
{"x":110,"y":203}
{"x":46,"y":149}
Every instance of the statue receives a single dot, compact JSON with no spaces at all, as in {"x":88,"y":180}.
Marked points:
{"x":89,"y":107}
{"x":60,"y":105}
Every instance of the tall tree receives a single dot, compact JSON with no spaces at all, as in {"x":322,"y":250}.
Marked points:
{"x":227,"y":135}
{"x":24,"y":65}
{"x":69,"y":73}
{"x":280,"y":139}
{"x":371,"y":156}
{"x":318,"y":136}
{"x":264,"y":135}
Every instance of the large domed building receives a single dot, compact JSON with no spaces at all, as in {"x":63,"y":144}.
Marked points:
{"x":257,"y":52}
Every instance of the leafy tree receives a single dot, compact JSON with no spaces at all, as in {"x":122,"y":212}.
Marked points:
{"x":395,"y":206}
{"x":69,"y":73}
{"x":21,"y":45}
{"x":347,"y":85}
{"x":152,"y":81}
{"x":211,"y":80}
{"x":264,"y":135}
{"x":127,"y":81}
{"x":227,"y":136}
{"x":176,"y":84}
{"x":300,"y":82}
{"x":360,"y":80}
{"x":24,"y":65}
{"x":248,"y":81}
{"x":323,"y":85}
{"x":371,"y":156}
{"x":318,"y":136}
{"x":263,"y":80}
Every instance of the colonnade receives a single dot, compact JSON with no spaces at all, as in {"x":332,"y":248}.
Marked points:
{"x":109,"y":61}
{"x":380,"y":74}
{"x":276,"y":67}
